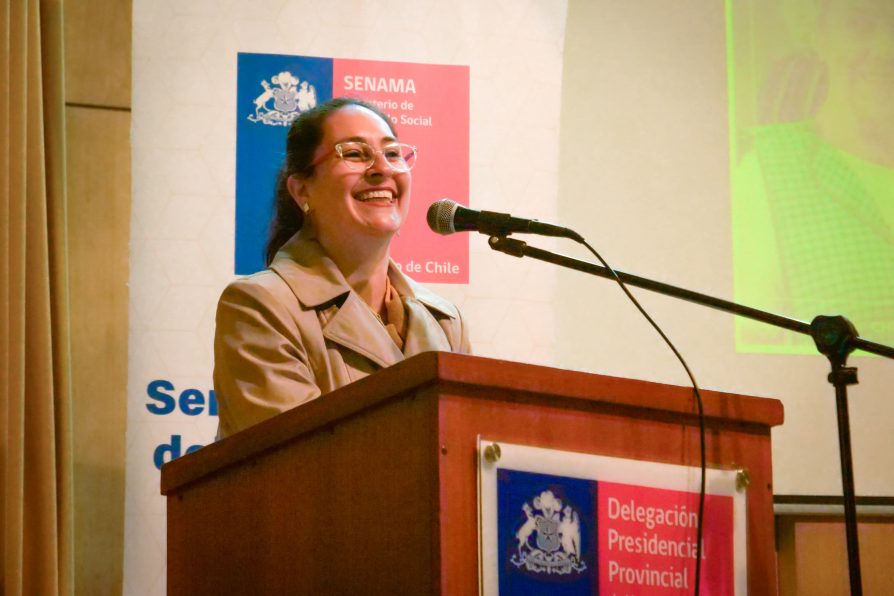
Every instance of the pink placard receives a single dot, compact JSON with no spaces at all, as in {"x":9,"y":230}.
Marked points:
{"x":647,"y":541}
{"x":429,"y":106}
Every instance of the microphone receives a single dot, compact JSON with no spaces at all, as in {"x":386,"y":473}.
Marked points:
{"x":447,"y":217}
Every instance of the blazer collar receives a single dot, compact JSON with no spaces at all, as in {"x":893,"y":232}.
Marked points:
{"x":316,"y":280}
{"x":318,"y":284}
{"x":309,"y":272}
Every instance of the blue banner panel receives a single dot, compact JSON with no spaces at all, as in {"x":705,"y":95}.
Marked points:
{"x":272,"y":90}
{"x":546,"y":534}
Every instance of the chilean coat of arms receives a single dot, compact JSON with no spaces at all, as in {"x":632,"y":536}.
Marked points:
{"x":549,"y":538}
{"x":283,"y":100}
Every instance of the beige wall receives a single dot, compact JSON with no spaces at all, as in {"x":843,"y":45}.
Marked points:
{"x":644,"y":175}
{"x":97,"y":96}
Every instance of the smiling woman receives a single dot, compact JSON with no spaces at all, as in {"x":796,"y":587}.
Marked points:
{"x":357,"y":198}
{"x":331,"y":307}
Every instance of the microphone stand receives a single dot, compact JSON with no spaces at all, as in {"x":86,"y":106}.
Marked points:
{"x":835,"y":337}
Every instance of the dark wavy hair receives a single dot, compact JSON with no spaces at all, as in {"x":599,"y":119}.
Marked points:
{"x":302,"y":141}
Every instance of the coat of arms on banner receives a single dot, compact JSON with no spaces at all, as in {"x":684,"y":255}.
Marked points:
{"x":283,"y":98}
{"x":555,"y":533}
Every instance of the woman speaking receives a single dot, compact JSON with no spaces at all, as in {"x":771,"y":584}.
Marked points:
{"x":331,"y":307}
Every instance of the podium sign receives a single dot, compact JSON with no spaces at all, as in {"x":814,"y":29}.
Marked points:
{"x":560,"y":522}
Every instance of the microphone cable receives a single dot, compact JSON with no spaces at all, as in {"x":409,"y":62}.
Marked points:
{"x":698,"y":401}
{"x":440,"y":218}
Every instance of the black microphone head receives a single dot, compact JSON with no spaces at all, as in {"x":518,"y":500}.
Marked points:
{"x":440,"y":216}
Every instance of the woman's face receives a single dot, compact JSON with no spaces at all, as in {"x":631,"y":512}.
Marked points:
{"x":344,"y":203}
{"x":855,"y":38}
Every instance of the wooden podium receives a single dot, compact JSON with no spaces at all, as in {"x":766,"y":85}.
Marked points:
{"x":372,"y":488}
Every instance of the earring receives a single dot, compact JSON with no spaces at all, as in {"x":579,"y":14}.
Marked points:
{"x":306,"y":208}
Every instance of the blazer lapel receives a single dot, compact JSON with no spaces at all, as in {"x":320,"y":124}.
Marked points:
{"x":318,"y":284}
{"x":424,"y":334}
{"x":355,"y":327}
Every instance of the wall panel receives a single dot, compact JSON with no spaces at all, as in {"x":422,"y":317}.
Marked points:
{"x":97,"y":52}
{"x":813,"y":555}
{"x":98,"y":160}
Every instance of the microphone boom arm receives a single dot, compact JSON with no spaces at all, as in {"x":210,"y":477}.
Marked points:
{"x":519,"y":248}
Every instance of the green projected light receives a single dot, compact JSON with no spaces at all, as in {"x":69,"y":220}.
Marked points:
{"x":811,"y":100}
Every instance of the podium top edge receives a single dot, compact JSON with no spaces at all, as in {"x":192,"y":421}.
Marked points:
{"x":480,"y":377}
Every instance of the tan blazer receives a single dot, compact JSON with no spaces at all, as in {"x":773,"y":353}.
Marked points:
{"x":295,"y":331}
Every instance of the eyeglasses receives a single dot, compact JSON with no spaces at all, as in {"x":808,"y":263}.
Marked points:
{"x":359,"y":156}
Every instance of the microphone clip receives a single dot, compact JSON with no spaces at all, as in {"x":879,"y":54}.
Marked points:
{"x":510,"y":246}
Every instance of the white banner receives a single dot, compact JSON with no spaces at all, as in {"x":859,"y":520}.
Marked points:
{"x":183,"y":213}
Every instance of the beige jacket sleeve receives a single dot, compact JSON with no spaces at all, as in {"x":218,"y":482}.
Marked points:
{"x":261,"y":367}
